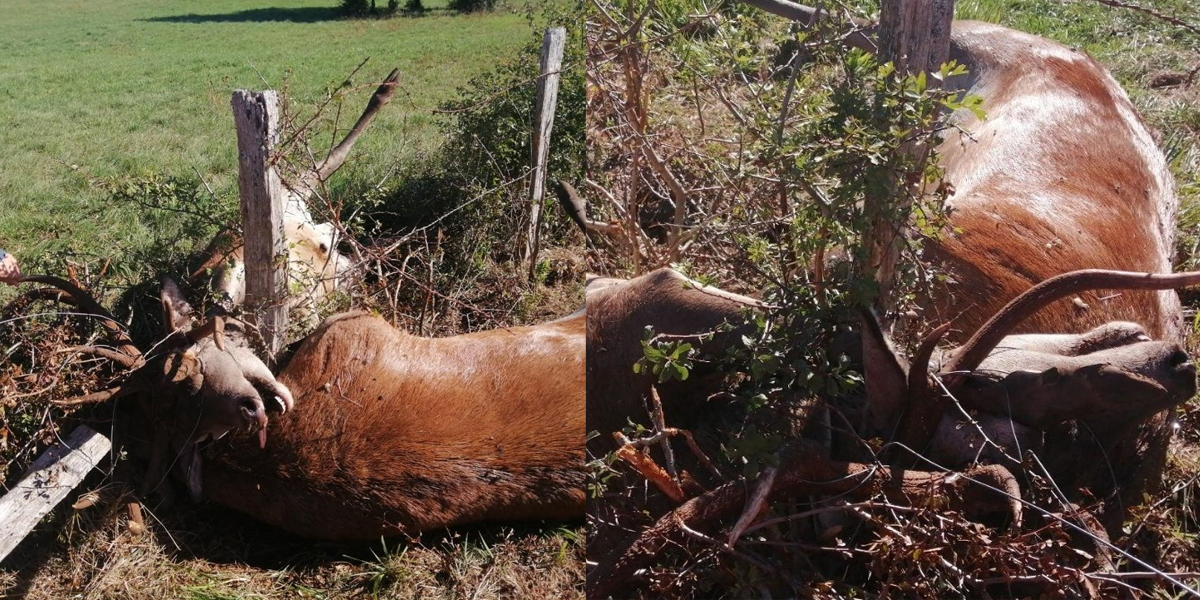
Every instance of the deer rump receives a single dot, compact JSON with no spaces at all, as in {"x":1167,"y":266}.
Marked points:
{"x":1062,"y":176}
{"x":397,"y":434}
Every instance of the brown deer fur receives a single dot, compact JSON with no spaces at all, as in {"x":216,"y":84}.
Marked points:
{"x":1062,"y":175}
{"x":395,"y":434}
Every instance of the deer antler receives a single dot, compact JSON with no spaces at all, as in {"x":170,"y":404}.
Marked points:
{"x":119,"y":391}
{"x":972,"y":353}
{"x":214,"y":327}
{"x":924,"y":406}
{"x":127,"y":354}
{"x":88,"y":304}
{"x":338,"y":155}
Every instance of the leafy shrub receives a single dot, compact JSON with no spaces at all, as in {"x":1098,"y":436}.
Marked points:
{"x":480,"y":174}
{"x":472,"y":5}
{"x":489,"y":139}
{"x":357,"y":8}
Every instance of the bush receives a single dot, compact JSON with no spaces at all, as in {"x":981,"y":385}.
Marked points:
{"x":472,"y":5}
{"x":458,"y":213}
{"x":488,"y":128}
{"x":485,"y":160}
{"x":358,"y":8}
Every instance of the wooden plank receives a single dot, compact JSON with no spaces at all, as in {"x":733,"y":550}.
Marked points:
{"x":553,"y":44}
{"x":256,"y":116}
{"x":51,"y":478}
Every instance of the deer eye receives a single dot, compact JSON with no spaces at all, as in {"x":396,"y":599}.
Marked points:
{"x":324,"y":247}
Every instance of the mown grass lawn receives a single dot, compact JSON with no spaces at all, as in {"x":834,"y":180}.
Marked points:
{"x":142,"y":86}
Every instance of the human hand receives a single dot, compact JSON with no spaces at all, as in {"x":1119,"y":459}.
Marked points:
{"x":10,"y":273}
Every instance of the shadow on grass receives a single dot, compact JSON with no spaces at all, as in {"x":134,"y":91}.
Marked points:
{"x":306,"y":14}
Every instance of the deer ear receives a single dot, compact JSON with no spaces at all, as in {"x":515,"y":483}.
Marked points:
{"x":886,"y":375}
{"x":181,"y":367}
{"x":177,"y":313}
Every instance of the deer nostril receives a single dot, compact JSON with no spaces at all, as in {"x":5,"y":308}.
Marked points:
{"x":1181,"y":359}
{"x":249,"y":407}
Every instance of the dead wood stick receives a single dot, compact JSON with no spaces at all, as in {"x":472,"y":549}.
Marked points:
{"x":673,"y":431}
{"x":642,"y":463}
{"x":758,"y":498}
{"x":137,"y":524}
{"x":660,"y":423}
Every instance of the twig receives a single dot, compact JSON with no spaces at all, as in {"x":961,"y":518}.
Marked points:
{"x":658,"y":436}
{"x":660,"y":424}
{"x":754,"y":504}
{"x":642,"y":463}
{"x":741,"y":555}
{"x":1153,"y":13}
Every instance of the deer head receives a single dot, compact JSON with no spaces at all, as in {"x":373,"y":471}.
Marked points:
{"x":203,"y":384}
{"x":1111,"y":378}
{"x":218,"y":386}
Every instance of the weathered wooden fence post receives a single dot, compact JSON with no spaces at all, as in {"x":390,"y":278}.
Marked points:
{"x":915,"y":36}
{"x":543,"y":122}
{"x":256,"y":116}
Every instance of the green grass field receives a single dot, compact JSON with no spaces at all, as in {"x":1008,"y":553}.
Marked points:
{"x":142,"y":86}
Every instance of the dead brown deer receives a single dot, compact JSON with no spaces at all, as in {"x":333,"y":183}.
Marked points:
{"x":378,"y":433}
{"x":315,"y":266}
{"x":1061,"y":186}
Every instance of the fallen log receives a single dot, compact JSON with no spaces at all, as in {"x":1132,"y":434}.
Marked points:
{"x":49,"y":480}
